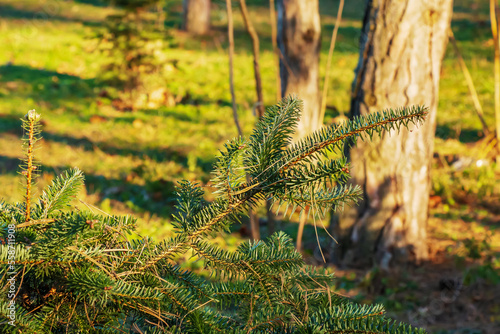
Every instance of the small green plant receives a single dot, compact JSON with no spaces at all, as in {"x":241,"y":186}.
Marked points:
{"x":135,"y":52}
{"x":486,"y":264}
{"x":78,"y":271}
{"x":475,"y":181}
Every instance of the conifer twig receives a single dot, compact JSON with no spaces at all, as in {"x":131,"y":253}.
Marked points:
{"x":30,"y":125}
{"x":317,"y":146}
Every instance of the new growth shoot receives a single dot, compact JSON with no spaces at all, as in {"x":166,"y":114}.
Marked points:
{"x":31,"y":126}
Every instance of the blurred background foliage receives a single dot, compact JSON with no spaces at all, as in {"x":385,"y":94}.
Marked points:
{"x":56,"y":58}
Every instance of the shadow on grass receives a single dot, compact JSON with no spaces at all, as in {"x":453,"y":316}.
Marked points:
{"x":9,"y":165}
{"x":44,"y":12}
{"x":463,"y":135}
{"x":472,"y":30}
{"x":491,"y":221}
{"x":30,"y":74}
{"x":46,"y":85}
{"x":347,"y":39}
{"x":11,"y":124}
{"x":95,"y":3}
{"x":157,"y":196}
{"x":158,"y":154}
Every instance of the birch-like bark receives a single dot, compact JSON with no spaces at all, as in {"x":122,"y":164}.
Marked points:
{"x":401,"y":50}
{"x":197,"y":16}
{"x":299,"y":40}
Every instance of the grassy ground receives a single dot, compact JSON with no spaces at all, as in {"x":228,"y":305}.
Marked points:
{"x":132,"y":160}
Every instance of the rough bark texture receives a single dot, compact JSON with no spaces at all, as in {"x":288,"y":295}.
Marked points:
{"x":299,"y":37}
{"x":197,"y":16}
{"x":401,"y":49}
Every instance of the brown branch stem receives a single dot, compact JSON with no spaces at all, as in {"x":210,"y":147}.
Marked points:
{"x":31,"y":117}
{"x":256,"y":50}
{"x":470,"y":83}
{"x":329,"y":61}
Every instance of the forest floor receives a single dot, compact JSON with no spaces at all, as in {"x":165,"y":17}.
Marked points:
{"x":48,"y":62}
{"x":455,"y":291}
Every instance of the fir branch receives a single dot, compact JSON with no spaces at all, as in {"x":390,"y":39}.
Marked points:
{"x":60,"y":192}
{"x":272,"y":134}
{"x":165,"y":250}
{"x":318,"y":200}
{"x":218,"y":258}
{"x":36,"y":222}
{"x":189,"y":202}
{"x":83,"y":272}
{"x":228,"y":173}
{"x":313,"y":174}
{"x":335,"y":135}
{"x":229,"y":294}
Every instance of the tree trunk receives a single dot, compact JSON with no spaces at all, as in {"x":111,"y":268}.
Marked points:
{"x":299,"y":40}
{"x":197,"y":16}
{"x":401,"y":49}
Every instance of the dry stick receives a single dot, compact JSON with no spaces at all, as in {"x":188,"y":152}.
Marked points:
{"x":470,"y":83}
{"x":160,"y":23}
{"x":287,"y":66}
{"x":274,"y":36}
{"x":329,"y":62}
{"x":302,"y":223}
{"x":231,"y":54}
{"x":258,"y":86}
{"x":315,"y":228}
{"x":255,"y":49}
{"x":254,"y":222}
{"x":35,"y":222}
{"x":302,"y":220}
{"x":496,"y":42}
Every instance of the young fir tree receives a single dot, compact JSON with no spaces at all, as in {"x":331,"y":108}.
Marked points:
{"x":80,"y":272}
{"x":134,"y":50}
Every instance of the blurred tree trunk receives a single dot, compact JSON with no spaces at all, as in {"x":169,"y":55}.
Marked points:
{"x":197,"y":16}
{"x":401,"y":49}
{"x":299,"y":41}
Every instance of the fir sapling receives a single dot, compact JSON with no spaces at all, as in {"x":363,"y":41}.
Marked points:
{"x":81,"y":272}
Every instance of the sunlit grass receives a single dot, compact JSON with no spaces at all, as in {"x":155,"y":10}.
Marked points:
{"x":133,"y":160}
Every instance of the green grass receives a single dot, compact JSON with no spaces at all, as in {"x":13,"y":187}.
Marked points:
{"x":49,"y":63}
{"x":133,"y":160}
